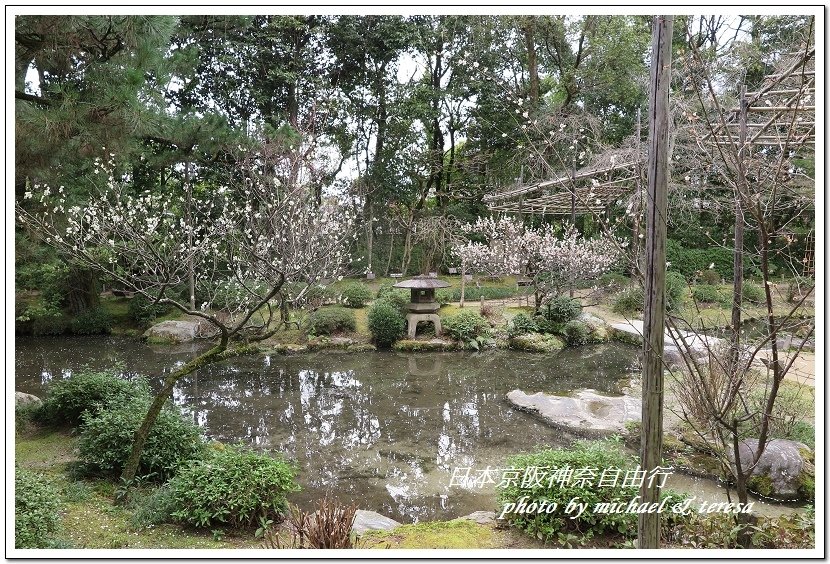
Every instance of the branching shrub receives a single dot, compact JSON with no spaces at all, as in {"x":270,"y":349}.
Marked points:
{"x":385,"y":323}
{"x":466,"y":326}
{"x":106,"y":440}
{"x":562,"y":309}
{"x":706,"y":294}
{"x":356,"y":295}
{"x":95,"y":321}
{"x":522,"y":324}
{"x":629,"y":300}
{"x":676,"y":291}
{"x":576,"y":333}
{"x":632,"y":299}
{"x":232,"y":486}
{"x":36,"y":510}
{"x":330,"y":526}
{"x":87,"y":391}
{"x":330,"y":320}
{"x":798,"y":287}
{"x":709,"y":277}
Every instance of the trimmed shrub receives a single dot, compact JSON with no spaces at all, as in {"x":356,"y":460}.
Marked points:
{"x":706,"y":294}
{"x":144,"y":311}
{"x":466,"y":326}
{"x":537,"y":342}
{"x":629,"y":300}
{"x":36,"y":510}
{"x":397,"y":297}
{"x":613,"y":281}
{"x":87,"y":392}
{"x":690,"y":262}
{"x":232,"y":486}
{"x":385,"y":323}
{"x":355,"y":295}
{"x":561,"y":484}
{"x":522,"y":324}
{"x":330,"y":320}
{"x":753,"y":293}
{"x":95,"y":321}
{"x":576,"y":333}
{"x":562,"y":309}
{"x":106,"y":440}
{"x":56,"y":324}
{"x":709,"y":277}
{"x":676,"y":291}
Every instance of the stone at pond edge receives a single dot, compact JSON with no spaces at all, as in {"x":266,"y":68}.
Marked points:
{"x":322,"y":343}
{"x":537,"y":342}
{"x":784,"y":472}
{"x":412,"y":345}
{"x":370,"y":521}
{"x":22,"y":399}
{"x":586,"y":413}
{"x":174,"y":332}
{"x":481,"y":517}
{"x":289,"y":348}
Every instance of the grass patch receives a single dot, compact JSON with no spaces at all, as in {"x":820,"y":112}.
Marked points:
{"x":437,"y":534}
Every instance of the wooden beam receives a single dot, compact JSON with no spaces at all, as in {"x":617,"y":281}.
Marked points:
{"x":651,"y":438}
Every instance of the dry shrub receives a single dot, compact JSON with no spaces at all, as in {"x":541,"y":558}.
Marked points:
{"x":330,"y":526}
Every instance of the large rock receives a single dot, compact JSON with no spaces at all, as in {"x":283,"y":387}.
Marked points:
{"x":586,"y":412}
{"x":174,"y":332}
{"x":784,"y":472}
{"x":22,"y":399}
{"x":481,"y":517}
{"x":370,"y":521}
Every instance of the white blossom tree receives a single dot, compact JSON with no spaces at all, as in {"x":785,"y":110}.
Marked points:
{"x":252,"y":237}
{"x":552,"y":260}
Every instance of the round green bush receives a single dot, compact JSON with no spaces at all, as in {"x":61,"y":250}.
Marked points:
{"x":466,"y":325}
{"x":397,"y":297}
{"x":106,"y":440}
{"x":87,"y":391}
{"x":233,"y":487}
{"x":385,"y":323}
{"x":709,"y":277}
{"x":629,"y":300}
{"x":576,"y":333}
{"x":356,"y":295}
{"x":36,"y":510}
{"x":522,"y":324}
{"x":706,"y":294}
{"x":562,"y":309}
{"x":753,"y":293}
{"x":676,"y":291}
{"x":330,"y":320}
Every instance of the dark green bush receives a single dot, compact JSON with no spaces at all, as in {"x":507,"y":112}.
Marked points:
{"x":576,"y":333}
{"x":385,"y":323}
{"x":355,"y":294}
{"x":106,"y":439}
{"x":36,"y":510}
{"x":395,"y":296}
{"x":471,"y":293}
{"x":388,"y":290}
{"x":49,"y":324}
{"x":691,"y":262}
{"x":95,"y":321}
{"x":144,"y":311}
{"x":522,"y":324}
{"x":614,"y":281}
{"x":330,"y":320}
{"x":233,"y":487}
{"x":562,"y":309}
{"x":676,"y":291}
{"x":87,"y":391}
{"x":466,"y":326}
{"x":557,"y":526}
{"x":753,"y":293}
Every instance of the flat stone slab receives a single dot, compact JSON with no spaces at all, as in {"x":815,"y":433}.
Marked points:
{"x":370,"y":521}
{"x":481,"y":517}
{"x":698,"y":345}
{"x":586,"y":412}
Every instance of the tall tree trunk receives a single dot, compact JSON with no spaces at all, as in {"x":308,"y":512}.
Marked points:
{"x":529,"y":32}
{"x":83,"y":291}
{"x":651,"y":445}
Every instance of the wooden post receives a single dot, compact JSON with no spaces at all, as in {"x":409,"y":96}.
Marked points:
{"x":738,"y":257}
{"x":191,"y":279}
{"x":648,"y":525}
{"x":463,"y":282}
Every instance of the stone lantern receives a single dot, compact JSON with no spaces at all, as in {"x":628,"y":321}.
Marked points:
{"x":422,"y":305}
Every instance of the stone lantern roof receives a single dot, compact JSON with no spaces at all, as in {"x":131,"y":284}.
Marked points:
{"x":422,"y":283}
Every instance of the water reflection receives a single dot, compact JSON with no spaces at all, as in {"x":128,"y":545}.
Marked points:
{"x":384,"y":430}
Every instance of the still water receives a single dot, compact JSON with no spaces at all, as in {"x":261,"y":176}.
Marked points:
{"x":385,"y":430}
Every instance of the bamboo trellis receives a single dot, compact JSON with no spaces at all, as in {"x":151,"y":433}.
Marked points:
{"x":780,"y":113}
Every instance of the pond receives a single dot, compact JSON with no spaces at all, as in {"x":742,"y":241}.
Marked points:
{"x":382,"y":429}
